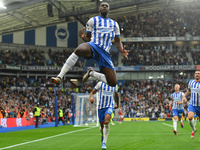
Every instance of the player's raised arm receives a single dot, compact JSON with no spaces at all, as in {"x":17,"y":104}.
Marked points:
{"x":116,"y":97}
{"x":120,"y":47}
{"x":186,"y":94}
{"x":82,"y":35}
{"x":92,"y":96}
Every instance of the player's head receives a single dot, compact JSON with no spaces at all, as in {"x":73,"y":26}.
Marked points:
{"x":197,"y":74}
{"x":177,"y":87}
{"x":104,"y":8}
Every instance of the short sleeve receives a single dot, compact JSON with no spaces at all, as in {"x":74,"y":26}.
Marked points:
{"x":90,"y":25}
{"x":98,"y":86}
{"x":117,"y":31}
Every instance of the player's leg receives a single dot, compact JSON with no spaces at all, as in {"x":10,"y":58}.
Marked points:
{"x":63,"y":121}
{"x":106,"y":130}
{"x":68,"y":120}
{"x":107,"y":76}
{"x":175,"y":124}
{"x":175,"y":116}
{"x":58,"y":120}
{"x":120,"y":119}
{"x":101,"y":130}
{"x":83,"y":50}
{"x":191,"y":122}
{"x":106,"y":127}
{"x":101,"y":116}
{"x":106,"y":66}
{"x":180,"y":113}
{"x":181,"y":121}
{"x":36,"y":122}
{"x":110,"y":76}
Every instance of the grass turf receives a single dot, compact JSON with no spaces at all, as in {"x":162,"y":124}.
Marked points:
{"x":154,"y":135}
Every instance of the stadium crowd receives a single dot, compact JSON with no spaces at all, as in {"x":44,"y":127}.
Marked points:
{"x":139,"y":56}
{"x":18,"y":97}
{"x":158,"y":56}
{"x":59,"y":57}
{"x":139,"y":98}
{"x":32,"y":57}
{"x":160,"y":23}
{"x":196,"y":55}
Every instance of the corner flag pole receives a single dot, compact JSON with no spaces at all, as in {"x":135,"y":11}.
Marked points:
{"x":56,"y":109}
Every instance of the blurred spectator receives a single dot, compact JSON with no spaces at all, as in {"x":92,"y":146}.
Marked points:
{"x":139,"y":98}
{"x":160,"y":23}
{"x":152,"y":56}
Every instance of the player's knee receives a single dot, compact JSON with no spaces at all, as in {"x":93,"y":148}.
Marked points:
{"x":78,"y":51}
{"x":190,"y":118}
{"x":106,"y":122}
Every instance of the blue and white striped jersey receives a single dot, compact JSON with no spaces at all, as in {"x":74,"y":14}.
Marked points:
{"x":106,"y":95}
{"x":103,"y":31}
{"x":177,"y":97}
{"x":195,"y":89}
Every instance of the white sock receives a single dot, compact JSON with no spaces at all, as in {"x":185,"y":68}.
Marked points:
{"x":70,"y":62}
{"x":195,"y":122}
{"x":175,"y":125}
{"x":92,"y":78}
{"x":105,"y":132}
{"x":192,"y":125}
{"x":181,"y":121}
{"x":99,"y":76}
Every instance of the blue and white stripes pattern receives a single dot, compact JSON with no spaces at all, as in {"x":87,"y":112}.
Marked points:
{"x":60,"y":35}
{"x":177,"y":97}
{"x":103,"y":31}
{"x":195,"y":89}
{"x":106,"y":95}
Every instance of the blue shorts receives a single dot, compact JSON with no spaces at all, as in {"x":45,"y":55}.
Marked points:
{"x":102,"y":113}
{"x":195,"y":109}
{"x":102,"y":57}
{"x":177,"y":112}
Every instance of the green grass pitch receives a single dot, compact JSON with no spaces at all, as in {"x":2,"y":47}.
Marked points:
{"x":154,"y":135}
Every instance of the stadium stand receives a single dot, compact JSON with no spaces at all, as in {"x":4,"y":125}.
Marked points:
{"x":160,"y":23}
{"x":139,"y":98}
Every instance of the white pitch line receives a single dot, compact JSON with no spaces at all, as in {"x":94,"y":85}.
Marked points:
{"x":43,"y":138}
{"x":167,"y":124}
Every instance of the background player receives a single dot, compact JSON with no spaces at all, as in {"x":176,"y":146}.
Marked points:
{"x":194,"y":103}
{"x":101,"y":30}
{"x":105,"y":107}
{"x":120,"y":115}
{"x":177,"y":101}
